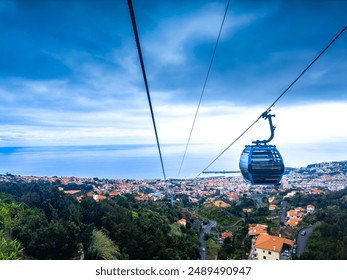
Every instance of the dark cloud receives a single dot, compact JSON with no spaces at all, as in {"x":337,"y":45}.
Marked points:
{"x":36,"y":34}
{"x":80,"y":56}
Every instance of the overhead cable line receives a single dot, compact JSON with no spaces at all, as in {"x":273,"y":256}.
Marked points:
{"x":137,"y":39}
{"x":303,"y":72}
{"x":203,"y":88}
{"x":281,"y":95}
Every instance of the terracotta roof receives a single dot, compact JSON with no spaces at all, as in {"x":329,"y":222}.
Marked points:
{"x":232,"y":196}
{"x":317,"y":191}
{"x":293,"y":222}
{"x":271,"y":243}
{"x":272,"y":207}
{"x":226,"y":234}
{"x":257,"y":229}
{"x":113,"y":193}
{"x":100,"y":197}
{"x":72,"y":192}
{"x":292,"y":213}
{"x":288,"y":242}
{"x":79,"y":198}
{"x":182,"y":222}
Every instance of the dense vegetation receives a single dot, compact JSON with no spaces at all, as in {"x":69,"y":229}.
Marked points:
{"x":231,"y":219}
{"x":41,"y":222}
{"x":329,"y":238}
{"x":37,"y":221}
{"x":236,"y":247}
{"x":223,"y":216}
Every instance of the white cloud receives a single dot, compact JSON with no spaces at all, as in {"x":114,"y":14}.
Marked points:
{"x":221,"y":124}
{"x":312,"y":123}
{"x":216,"y":124}
{"x":169,"y":43}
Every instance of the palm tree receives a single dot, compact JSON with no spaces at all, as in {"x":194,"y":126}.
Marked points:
{"x":102,"y":247}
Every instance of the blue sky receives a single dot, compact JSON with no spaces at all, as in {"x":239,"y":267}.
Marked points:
{"x":70,"y":75}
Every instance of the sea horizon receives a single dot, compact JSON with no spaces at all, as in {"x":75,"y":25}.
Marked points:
{"x":133,"y":161}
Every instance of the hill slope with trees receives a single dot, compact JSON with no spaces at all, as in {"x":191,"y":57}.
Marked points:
{"x":41,"y":222}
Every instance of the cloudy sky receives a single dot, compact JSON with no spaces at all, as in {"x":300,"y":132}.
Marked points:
{"x":70,"y":76}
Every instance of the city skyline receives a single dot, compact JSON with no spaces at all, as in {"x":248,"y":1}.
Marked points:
{"x":70,"y":76}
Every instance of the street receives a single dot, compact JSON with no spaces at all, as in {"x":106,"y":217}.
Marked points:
{"x":205,"y":230}
{"x":283,"y":211}
{"x":302,"y":240}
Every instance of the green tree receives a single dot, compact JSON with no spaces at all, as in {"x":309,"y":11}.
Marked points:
{"x":102,"y":247}
{"x":10,"y":249}
{"x":10,"y":213}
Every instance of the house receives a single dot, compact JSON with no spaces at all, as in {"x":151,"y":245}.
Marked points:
{"x":226,"y":234}
{"x":317,"y":191}
{"x":141,"y":196}
{"x":254,"y":230}
{"x":290,"y":194}
{"x":79,"y":198}
{"x":182,"y":222}
{"x":294,"y":213}
{"x":310,"y":208}
{"x":98,"y":197}
{"x":300,"y":209}
{"x":293,"y":222}
{"x":272,"y":207}
{"x":114,"y":193}
{"x":269,"y":247}
{"x":232,"y":196}
{"x":89,"y":194}
{"x":72,"y":192}
{"x":291,"y":214}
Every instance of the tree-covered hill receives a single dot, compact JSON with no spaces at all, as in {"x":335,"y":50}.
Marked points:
{"x":41,"y":222}
{"x":329,"y":238}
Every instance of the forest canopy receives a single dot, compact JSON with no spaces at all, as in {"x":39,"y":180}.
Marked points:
{"x":41,"y":222}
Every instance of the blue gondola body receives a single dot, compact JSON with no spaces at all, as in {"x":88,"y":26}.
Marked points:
{"x":261,"y":165}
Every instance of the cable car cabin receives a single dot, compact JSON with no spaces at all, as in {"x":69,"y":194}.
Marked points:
{"x":261,"y":165}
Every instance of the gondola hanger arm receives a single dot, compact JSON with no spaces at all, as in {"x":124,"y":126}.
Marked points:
{"x":267,"y":115}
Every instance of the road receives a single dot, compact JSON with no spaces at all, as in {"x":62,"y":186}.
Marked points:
{"x":283,"y":211}
{"x":205,"y":230}
{"x":302,"y":240}
{"x":258,"y":199}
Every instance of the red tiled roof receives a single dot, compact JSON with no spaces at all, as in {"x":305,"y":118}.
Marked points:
{"x":291,"y":213}
{"x":293,"y":222}
{"x":226,"y":234}
{"x":271,"y":243}
{"x":272,"y":207}
{"x":182,"y":222}
{"x":257,"y":229}
{"x":113,"y":193}
{"x":72,"y":191}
